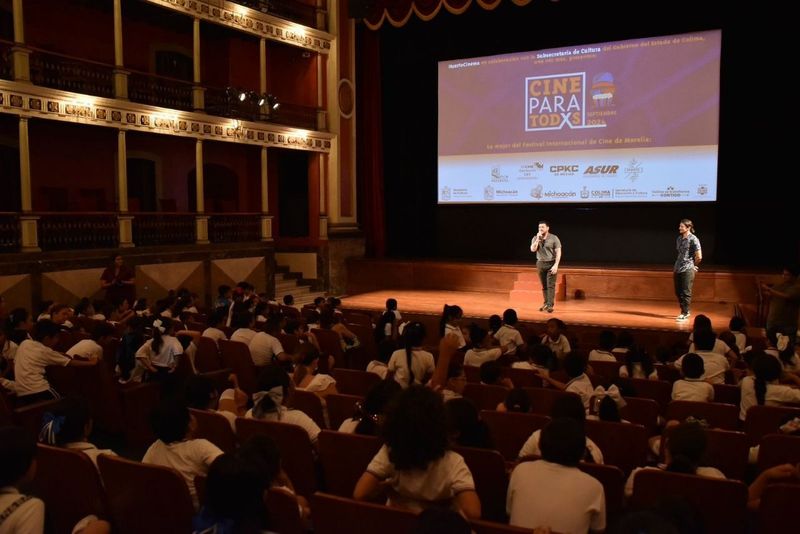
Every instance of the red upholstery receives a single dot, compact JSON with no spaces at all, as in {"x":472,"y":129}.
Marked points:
{"x":215,"y":428}
{"x":344,"y":459}
{"x":542,"y":399}
{"x":777,"y":449}
{"x":310,"y":404}
{"x":488,"y":470}
{"x":145,"y":497}
{"x":728,"y":451}
{"x":330,"y":343}
{"x":608,"y":371}
{"x":69,"y":483}
{"x":622,"y":444}
{"x":207,"y":358}
{"x":354,"y":382}
{"x":642,"y":412}
{"x":763,"y":420}
{"x":338,"y":515}
{"x":486,"y":527}
{"x":613,"y":480}
{"x":484,"y":396}
{"x":340,"y":408}
{"x":511,"y":430}
{"x":237,"y":356}
{"x":657,"y":390}
{"x":727,"y":394}
{"x":284,"y":516}
{"x":724,"y":416}
{"x":777,"y":513}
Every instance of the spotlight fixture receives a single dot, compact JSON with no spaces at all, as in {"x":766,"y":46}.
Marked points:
{"x":261,"y":100}
{"x":273,"y":102}
{"x":242,"y":96}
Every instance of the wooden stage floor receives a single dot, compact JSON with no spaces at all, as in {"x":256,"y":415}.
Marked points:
{"x":606,"y":312}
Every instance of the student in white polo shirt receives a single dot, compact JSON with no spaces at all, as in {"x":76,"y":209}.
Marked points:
{"x":555,"y":339}
{"x":216,"y":321}
{"x":553,"y":493}
{"x":603,"y":353}
{"x":93,"y":348}
{"x":579,"y":383}
{"x":507,"y":335}
{"x":764,"y":387}
{"x":20,"y":513}
{"x":450,"y":324}
{"x":481,"y":351}
{"x":715,"y":364}
{"x":69,"y":425}
{"x":412,"y":365}
{"x":692,"y":387}
{"x":265,"y":347}
{"x":33,"y":357}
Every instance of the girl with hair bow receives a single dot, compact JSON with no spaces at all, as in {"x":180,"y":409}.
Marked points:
{"x":606,"y":404}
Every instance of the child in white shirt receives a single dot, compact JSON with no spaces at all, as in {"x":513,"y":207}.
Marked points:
{"x":412,"y":365}
{"x":160,"y":354}
{"x":69,"y":425}
{"x":507,"y":335}
{"x":692,"y":387}
{"x":638,"y":365}
{"x":268,"y":402}
{"x":555,"y":339}
{"x":481,"y":350}
{"x":216,"y":321}
{"x":605,"y":347}
{"x":764,"y":389}
{"x":450,"y":324}
{"x":579,"y":383}
{"x":93,"y":348}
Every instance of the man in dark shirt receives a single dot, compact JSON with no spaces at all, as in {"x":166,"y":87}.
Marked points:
{"x":547,"y":247}
{"x":689,"y":255}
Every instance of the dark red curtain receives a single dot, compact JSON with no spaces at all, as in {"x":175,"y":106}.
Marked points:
{"x":369,"y":140}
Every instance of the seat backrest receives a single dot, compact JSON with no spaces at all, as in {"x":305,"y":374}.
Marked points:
{"x":667,"y":373}
{"x":215,"y":428}
{"x":236,"y":355}
{"x":330,"y":343}
{"x":297,"y":456}
{"x":369,"y":349}
{"x":657,"y":390}
{"x":284,"y":517}
{"x":207,"y":359}
{"x":488,"y":527}
{"x":488,"y":468}
{"x":289,"y":342}
{"x":542,"y":399}
{"x":356,"y":318}
{"x":473,"y":374}
{"x":69,"y":483}
{"x":724,"y":416}
{"x":523,"y":378}
{"x":510,"y":431}
{"x":763,"y":420}
{"x":777,"y":449}
{"x":613,"y":480}
{"x":622,"y":444}
{"x":485,"y":397}
{"x":145,"y":497}
{"x":138,"y":401}
{"x":728,"y":452}
{"x":344,"y":459}
{"x":354,"y":382}
{"x":727,"y":394}
{"x":608,"y":371}
{"x":777,"y":513}
{"x":339,"y":515}
{"x":643,"y":412}
{"x":310,"y":404}
{"x":341,"y":407}
{"x":721,"y":503}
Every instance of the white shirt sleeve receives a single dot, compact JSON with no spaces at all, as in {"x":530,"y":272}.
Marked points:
{"x":380,"y":466}
{"x":531,"y":446}
{"x":461,"y":477}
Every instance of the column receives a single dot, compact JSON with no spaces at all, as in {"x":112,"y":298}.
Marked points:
{"x":198,"y":92}
{"x":125,"y":220}
{"x":120,"y":74}
{"x":323,"y":195}
{"x":201,"y":220}
{"x":266,"y":218}
{"x":19,"y":52}
{"x":322,"y":118}
{"x":28,"y":223}
{"x":262,"y":65}
{"x":320,"y":15}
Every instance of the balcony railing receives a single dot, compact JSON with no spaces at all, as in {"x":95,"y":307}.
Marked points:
{"x":159,"y":91}
{"x":234,"y":227}
{"x":69,"y":231}
{"x":6,"y":62}
{"x":68,"y":73}
{"x":9,"y":232}
{"x":224,"y":103}
{"x":163,"y":229}
{"x":296,"y":115}
{"x":285,"y":9}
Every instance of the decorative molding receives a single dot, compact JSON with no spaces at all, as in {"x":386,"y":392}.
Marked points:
{"x":254,"y":22}
{"x":347,"y":98}
{"x":33,"y":101}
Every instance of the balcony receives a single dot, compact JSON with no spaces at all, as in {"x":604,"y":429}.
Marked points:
{"x":50,"y":69}
{"x":164,"y":229}
{"x":9,"y":232}
{"x":6,"y":62}
{"x":159,"y":91}
{"x":234,"y":227}
{"x":286,"y":9}
{"x":72,"y":231}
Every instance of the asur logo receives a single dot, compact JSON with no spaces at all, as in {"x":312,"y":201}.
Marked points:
{"x":601,"y":169}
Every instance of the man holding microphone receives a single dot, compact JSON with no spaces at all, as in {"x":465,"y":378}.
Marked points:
{"x":547,"y":247}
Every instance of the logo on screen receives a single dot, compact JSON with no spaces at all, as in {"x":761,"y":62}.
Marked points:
{"x":556,"y":102}
{"x":702,"y":190}
{"x":497,"y":177}
{"x":601,"y":169}
{"x":633,"y":170}
{"x":536,"y":192}
{"x":488,"y":193}
{"x":585,"y":192}
{"x":446,"y":193}
{"x":603,"y":90}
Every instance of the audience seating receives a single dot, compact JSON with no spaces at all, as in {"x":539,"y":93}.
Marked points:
{"x":367,"y":351}
{"x":727,"y":394}
{"x":657,"y":390}
{"x":777,"y":449}
{"x":207,"y":358}
{"x":344,"y":458}
{"x":354,"y":382}
{"x":606,"y":371}
{"x":330,"y":343}
{"x":667,"y":373}
{"x":237,"y":356}
{"x":777,"y":513}
{"x":523,"y":378}
{"x":69,"y":484}
{"x":613,"y":480}
{"x":28,"y":417}
{"x":622,"y":444}
{"x":340,"y":408}
{"x":641,"y":412}
{"x":542,"y":399}
{"x":724,"y":416}
{"x":486,"y":527}
{"x":728,"y":452}
{"x":722,"y":504}
{"x":485,"y":397}
{"x":215,"y":428}
{"x":473,"y":374}
{"x":284,"y":516}
{"x":509,"y":430}
{"x":488,"y":469}
{"x":763,"y":420}
{"x":289,"y":342}
{"x":338,"y":515}
{"x":145,"y":497}
{"x":296,"y":451}
{"x":309,"y":403}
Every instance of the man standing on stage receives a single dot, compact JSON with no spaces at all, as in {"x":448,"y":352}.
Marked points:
{"x":547,"y":247}
{"x":689,"y":255}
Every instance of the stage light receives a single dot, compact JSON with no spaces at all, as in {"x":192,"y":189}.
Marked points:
{"x":273,"y":102}
{"x":261,"y":100}
{"x":242,"y":96}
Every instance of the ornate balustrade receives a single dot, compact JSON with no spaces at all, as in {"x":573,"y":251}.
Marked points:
{"x":234,"y":227}
{"x":9,"y":232}
{"x":159,"y":91}
{"x":68,"y":231}
{"x":163,"y":228}
{"x":285,"y":9}
{"x":59,"y":71}
{"x":6,"y":62}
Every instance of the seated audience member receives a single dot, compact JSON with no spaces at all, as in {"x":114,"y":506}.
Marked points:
{"x":202,"y":394}
{"x":19,"y":325}
{"x":159,"y":355}
{"x":268,"y":402}
{"x":32,"y":359}
{"x":412,"y":365}
{"x":288,"y":301}
{"x":85,"y":308}
{"x":456,"y":380}
{"x":692,"y":387}
{"x":370,"y":413}
{"x":308,"y":376}
{"x":555,"y":338}
{"x":61,"y":314}
{"x":380,"y":366}
{"x":242,"y":321}
{"x":121,"y":312}
{"x":387,"y":327}
{"x":764,"y":387}
{"x":685,"y":447}
{"x":507,"y":335}
{"x":495,"y":323}
{"x":517,"y":400}
{"x":69,"y":425}
{"x":623,"y":345}
{"x":737,"y":326}
{"x":129,"y":344}
{"x":606,"y":404}
{"x":564,"y":408}
{"x":93,"y":348}
{"x":481,"y":350}
{"x":20,"y":513}
{"x":415,"y":462}
{"x":578,"y":383}
{"x":298,"y":329}
{"x":638,"y":365}
{"x":465,"y":426}
{"x":540,"y":358}
{"x":450,"y":324}
{"x":224,"y":297}
{"x":175,"y":447}
{"x":216,"y":322}
{"x":491,"y":374}
{"x":552,"y":492}
{"x":265,"y":347}
{"x":605,"y":345}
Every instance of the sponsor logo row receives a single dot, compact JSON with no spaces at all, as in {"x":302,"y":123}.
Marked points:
{"x":490,"y":192}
